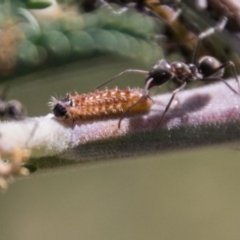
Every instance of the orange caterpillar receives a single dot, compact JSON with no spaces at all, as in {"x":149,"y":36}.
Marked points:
{"x":101,"y":103}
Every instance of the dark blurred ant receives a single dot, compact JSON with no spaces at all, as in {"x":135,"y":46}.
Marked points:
{"x":11,"y":109}
{"x":206,"y":69}
{"x":138,"y":5}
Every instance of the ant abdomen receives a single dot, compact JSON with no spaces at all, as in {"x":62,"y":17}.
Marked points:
{"x":208,"y":64}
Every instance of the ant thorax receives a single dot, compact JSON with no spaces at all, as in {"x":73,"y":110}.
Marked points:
{"x":185,"y":72}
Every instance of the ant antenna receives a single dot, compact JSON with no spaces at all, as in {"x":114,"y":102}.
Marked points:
{"x":170,"y":101}
{"x":210,"y":31}
{"x":121,"y":73}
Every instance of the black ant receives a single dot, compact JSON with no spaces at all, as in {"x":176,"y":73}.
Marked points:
{"x":206,"y":69}
{"x":12,"y":108}
{"x":138,"y":5}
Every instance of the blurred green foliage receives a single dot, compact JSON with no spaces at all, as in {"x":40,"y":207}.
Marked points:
{"x":66,"y":35}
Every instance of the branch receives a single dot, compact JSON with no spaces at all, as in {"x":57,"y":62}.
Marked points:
{"x":200,"y":116}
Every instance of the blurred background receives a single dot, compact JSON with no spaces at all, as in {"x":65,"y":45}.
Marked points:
{"x":49,"y":48}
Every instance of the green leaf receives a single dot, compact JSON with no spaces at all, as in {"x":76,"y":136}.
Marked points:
{"x":38,"y":4}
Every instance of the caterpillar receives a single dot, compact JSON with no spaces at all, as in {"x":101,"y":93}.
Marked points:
{"x":101,"y":103}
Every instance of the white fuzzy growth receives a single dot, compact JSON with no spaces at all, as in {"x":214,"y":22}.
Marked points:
{"x":52,"y":102}
{"x":44,"y":136}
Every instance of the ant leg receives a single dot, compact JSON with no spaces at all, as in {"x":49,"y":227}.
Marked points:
{"x":223,"y":66}
{"x":145,"y":95}
{"x":210,"y":31}
{"x":106,"y":6}
{"x":170,"y":101}
{"x":218,"y":28}
{"x":121,"y":73}
{"x":175,"y":16}
{"x":139,"y":6}
{"x":230,"y":87}
{"x":124,"y":114}
{"x":220,"y":79}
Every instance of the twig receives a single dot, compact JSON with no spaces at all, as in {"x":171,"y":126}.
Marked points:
{"x":201,"y":116}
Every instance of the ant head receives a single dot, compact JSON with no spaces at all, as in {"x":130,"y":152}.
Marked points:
{"x":15,"y":109}
{"x":160,"y":73}
{"x":208,"y":65}
{"x":60,"y":107}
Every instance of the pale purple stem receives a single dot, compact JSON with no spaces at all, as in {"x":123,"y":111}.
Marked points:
{"x":213,"y":108}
